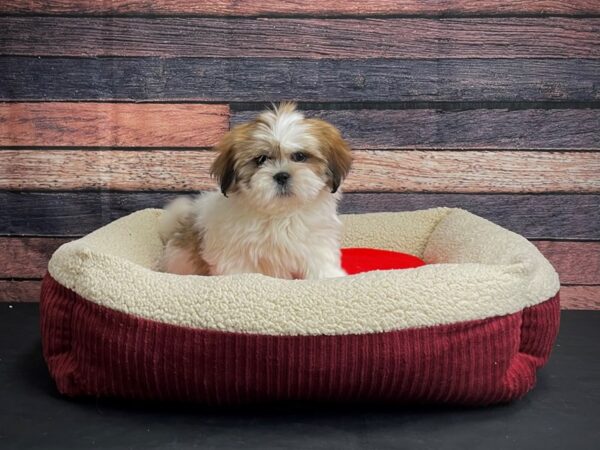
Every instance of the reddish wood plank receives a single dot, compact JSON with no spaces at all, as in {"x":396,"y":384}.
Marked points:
{"x":111,"y":124}
{"x":575,"y":262}
{"x":580,"y":297}
{"x":110,"y":169}
{"x":20,"y":291}
{"x":302,"y":38}
{"x":293,"y":7}
{"x":391,"y":171}
{"x":430,"y":171}
{"x":26,"y":257}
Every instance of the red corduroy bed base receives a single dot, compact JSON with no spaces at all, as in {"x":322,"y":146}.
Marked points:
{"x":95,"y":351}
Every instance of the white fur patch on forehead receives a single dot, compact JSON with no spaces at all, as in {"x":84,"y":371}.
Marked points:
{"x":284,"y":125}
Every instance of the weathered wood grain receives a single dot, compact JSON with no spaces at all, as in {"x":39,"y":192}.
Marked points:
{"x":16,"y":291}
{"x":111,"y":169}
{"x":466,"y":129}
{"x":575,"y":262}
{"x":302,"y":38}
{"x":518,"y":172}
{"x":546,"y":216}
{"x":27,"y":257}
{"x":580,"y":297}
{"x":391,"y":171}
{"x":322,"y":80}
{"x":297,"y":7}
{"x":112,"y":124}
{"x":571,"y":297}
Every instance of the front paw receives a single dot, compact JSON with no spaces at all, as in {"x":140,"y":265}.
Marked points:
{"x":326,"y":272}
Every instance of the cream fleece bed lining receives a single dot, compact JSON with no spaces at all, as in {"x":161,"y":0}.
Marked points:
{"x":475,"y":270}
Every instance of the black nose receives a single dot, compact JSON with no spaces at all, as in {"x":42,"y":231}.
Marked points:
{"x":281,"y":177}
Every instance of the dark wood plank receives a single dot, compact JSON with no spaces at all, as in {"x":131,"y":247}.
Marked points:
{"x":549,"y":216}
{"x":302,"y":38}
{"x":474,"y":129}
{"x":112,"y":124}
{"x":389,"y":171}
{"x":27,"y":257}
{"x":76,"y":213}
{"x":260,"y":79}
{"x":14,"y":291}
{"x":296,"y":7}
{"x":580,"y":297}
{"x":575,"y":262}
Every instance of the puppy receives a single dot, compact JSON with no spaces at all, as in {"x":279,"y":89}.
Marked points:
{"x":276,"y":212}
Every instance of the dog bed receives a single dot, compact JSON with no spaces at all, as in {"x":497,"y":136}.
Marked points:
{"x":471,"y":326}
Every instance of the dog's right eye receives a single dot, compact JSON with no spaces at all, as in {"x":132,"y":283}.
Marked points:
{"x":260,"y":160}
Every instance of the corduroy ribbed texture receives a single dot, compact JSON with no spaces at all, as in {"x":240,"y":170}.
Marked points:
{"x":96,"y":351}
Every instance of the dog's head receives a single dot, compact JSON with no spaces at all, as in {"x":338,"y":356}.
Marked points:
{"x":281,"y":157}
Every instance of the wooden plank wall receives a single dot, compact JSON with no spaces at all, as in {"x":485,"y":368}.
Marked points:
{"x":489,"y":105}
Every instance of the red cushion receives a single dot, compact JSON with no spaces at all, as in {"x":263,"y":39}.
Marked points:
{"x":357,"y":260}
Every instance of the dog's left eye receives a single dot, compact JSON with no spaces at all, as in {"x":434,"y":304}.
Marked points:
{"x":260,"y":160}
{"x":299,"y":157}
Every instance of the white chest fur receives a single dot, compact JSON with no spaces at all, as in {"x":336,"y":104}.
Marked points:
{"x":303,"y":243}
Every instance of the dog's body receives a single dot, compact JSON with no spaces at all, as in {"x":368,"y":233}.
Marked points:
{"x":279,"y":177}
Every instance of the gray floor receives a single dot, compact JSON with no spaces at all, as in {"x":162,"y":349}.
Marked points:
{"x":563,"y":412}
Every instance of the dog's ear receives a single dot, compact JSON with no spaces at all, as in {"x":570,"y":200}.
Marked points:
{"x":223,"y":167}
{"x":335,"y":150}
